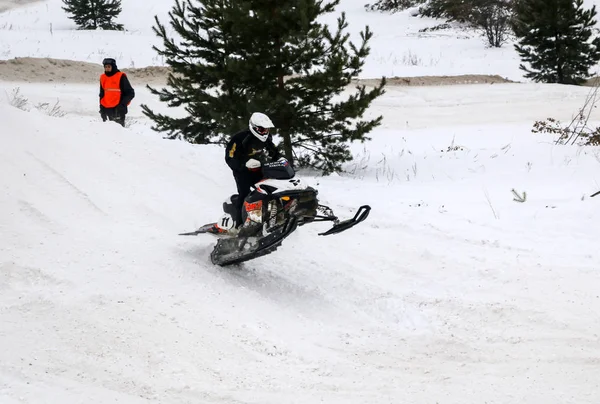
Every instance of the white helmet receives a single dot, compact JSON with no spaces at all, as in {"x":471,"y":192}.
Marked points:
{"x":259,"y":125}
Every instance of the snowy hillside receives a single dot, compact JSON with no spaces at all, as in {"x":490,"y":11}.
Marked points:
{"x":451,"y":292}
{"x":398,"y":48}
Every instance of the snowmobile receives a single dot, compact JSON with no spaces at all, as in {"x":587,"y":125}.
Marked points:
{"x":277,"y":205}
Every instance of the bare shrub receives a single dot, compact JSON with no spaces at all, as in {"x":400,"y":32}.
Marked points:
{"x":54,"y":110}
{"x":17,"y":100}
{"x":129,"y":122}
{"x":578,"y":130}
{"x":493,"y":17}
{"x":569,"y":134}
{"x":411,"y":59}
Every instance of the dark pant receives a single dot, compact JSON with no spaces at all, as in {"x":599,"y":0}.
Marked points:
{"x":113,"y":114}
{"x":244,"y":180}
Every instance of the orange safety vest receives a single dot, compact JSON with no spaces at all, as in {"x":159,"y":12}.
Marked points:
{"x":112,"y":90}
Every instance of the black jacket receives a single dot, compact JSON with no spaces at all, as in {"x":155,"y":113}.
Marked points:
{"x":127,"y":92}
{"x":244,"y":146}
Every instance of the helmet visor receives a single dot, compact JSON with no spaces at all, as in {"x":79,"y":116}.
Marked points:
{"x":261,"y":130}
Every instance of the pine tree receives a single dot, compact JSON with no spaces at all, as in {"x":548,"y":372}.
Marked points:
{"x":238,"y":57}
{"x":94,"y":14}
{"x":555,"y":39}
{"x":393,"y":5}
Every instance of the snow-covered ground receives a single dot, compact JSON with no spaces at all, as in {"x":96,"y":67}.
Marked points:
{"x":450,"y":292}
{"x":42,"y":29}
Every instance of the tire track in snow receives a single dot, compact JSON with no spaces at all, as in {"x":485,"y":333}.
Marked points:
{"x":65,"y":180}
{"x":32,"y":212}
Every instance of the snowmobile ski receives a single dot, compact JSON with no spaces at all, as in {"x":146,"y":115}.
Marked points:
{"x":361,"y":214}
{"x":201,"y":230}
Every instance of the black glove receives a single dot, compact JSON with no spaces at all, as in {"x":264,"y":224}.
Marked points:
{"x":103,"y":114}
{"x":122,"y":109}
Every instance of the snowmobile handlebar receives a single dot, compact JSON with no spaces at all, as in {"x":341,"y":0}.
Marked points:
{"x":279,"y":169}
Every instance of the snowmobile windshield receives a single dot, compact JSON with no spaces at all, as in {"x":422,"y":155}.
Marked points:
{"x":278,"y":170}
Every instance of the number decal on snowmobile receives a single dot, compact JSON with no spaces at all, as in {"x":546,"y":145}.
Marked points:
{"x":226,"y":222}
{"x":295,"y":182}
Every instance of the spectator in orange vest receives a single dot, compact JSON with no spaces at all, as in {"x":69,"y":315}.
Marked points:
{"x":116,"y":93}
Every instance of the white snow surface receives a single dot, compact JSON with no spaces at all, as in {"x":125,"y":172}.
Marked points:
{"x":450,"y":292}
{"x":398,"y":48}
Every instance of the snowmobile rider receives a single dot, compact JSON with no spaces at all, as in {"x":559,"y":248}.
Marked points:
{"x":243,"y":154}
{"x":116,"y":93}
